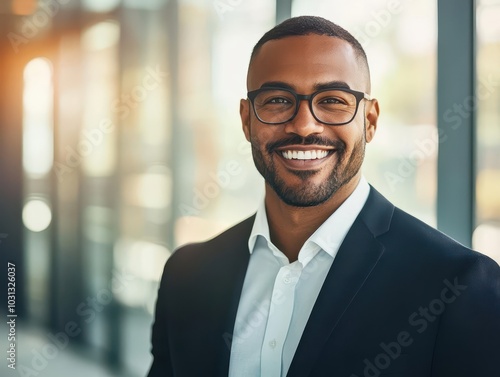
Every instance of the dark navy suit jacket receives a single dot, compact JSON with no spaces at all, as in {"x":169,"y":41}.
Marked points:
{"x":401,"y":299}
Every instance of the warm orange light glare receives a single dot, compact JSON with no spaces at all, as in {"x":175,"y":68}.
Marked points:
{"x":24,"y":7}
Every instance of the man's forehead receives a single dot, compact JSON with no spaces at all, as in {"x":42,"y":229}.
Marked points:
{"x":306,"y":61}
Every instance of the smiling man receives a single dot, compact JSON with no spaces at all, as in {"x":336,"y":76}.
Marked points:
{"x":328,"y":278}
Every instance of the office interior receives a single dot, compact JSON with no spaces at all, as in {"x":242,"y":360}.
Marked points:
{"x":120,"y":140}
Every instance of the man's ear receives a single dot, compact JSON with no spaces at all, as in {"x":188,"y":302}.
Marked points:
{"x":245,"y":117}
{"x":372,"y":119}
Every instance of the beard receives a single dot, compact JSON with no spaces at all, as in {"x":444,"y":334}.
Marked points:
{"x":309,"y":194}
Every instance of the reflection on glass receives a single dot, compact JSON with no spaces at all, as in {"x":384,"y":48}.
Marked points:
{"x":143,"y":261}
{"x":97,"y":145}
{"x":149,"y":190}
{"x":100,"y":5}
{"x":36,"y":215}
{"x":38,"y":118}
{"x":101,"y":36}
{"x":23,"y":7}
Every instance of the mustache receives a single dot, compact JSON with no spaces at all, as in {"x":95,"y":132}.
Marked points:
{"x":308,"y":140}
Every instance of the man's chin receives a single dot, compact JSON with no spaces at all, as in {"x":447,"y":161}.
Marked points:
{"x":296,"y":196}
{"x":302,"y":202}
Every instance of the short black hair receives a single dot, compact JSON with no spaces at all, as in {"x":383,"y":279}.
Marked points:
{"x":306,"y":25}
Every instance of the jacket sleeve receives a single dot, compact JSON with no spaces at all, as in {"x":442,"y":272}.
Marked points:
{"x":162,"y":363}
{"x":468,"y":342}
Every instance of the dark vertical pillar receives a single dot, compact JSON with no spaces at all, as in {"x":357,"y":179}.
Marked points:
{"x":178,"y":138}
{"x":283,"y":10}
{"x":11,"y":172}
{"x":456,"y":118}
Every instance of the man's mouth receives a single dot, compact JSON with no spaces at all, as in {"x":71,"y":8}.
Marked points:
{"x":291,"y":154}
{"x":304,"y":157}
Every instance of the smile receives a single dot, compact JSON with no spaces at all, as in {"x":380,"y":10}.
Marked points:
{"x":301,"y":157}
{"x":304,"y":155}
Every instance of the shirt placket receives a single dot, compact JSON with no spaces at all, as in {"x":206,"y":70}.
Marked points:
{"x":280,"y":316}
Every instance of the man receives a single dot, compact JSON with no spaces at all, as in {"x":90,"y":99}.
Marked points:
{"x":328,"y":278}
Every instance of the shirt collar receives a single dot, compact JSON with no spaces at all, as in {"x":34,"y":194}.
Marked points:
{"x":330,"y":235}
{"x":260,"y":227}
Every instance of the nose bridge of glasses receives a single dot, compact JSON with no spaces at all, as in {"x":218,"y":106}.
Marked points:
{"x":307,"y":98}
{"x":304,"y":113}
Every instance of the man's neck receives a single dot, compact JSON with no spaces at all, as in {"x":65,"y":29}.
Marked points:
{"x":290,"y":226}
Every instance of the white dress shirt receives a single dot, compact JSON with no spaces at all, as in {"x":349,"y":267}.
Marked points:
{"x":278,"y":296}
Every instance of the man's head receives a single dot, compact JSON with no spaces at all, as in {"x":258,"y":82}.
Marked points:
{"x":305,"y":158}
{"x":306,"y":25}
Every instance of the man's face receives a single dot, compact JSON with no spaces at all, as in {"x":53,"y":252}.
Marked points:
{"x":326,"y":157}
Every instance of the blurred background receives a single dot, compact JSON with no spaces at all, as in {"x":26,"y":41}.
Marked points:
{"x":120,"y":140}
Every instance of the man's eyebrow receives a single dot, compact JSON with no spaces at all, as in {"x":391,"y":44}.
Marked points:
{"x":277,"y":84}
{"x":331,"y":84}
{"x":318,"y":86}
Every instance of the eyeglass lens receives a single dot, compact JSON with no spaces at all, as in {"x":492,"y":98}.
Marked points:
{"x":330,"y":106}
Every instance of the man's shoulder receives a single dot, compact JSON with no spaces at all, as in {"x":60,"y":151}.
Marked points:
{"x":407,"y":235}
{"x":209,"y":262}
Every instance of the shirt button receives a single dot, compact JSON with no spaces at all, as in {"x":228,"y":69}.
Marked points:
{"x":286,"y":279}
{"x":272,"y":343}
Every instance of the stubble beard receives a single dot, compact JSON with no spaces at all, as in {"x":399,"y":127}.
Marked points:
{"x":310,"y":195}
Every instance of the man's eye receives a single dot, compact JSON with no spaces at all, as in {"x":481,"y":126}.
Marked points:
{"x":332,"y":101}
{"x":279,"y":100}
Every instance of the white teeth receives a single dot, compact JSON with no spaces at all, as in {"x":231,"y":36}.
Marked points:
{"x":304,"y":155}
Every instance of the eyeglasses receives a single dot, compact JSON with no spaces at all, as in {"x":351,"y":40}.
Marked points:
{"x":332,"y":106}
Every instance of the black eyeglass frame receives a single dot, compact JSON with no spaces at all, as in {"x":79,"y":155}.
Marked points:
{"x":309,"y":98}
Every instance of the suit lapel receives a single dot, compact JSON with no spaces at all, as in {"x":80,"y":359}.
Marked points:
{"x":357,"y":257}
{"x":233,"y":275}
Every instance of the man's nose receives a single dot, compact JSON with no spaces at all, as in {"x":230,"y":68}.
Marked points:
{"x":304,"y":123}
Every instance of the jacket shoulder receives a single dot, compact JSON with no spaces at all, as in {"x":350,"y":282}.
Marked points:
{"x":414,"y":241}
{"x":230,"y":244}
{"x":427,"y":244}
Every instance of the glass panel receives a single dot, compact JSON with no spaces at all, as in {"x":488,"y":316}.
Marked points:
{"x":216,"y":162}
{"x":38,"y":158}
{"x":401,"y":162}
{"x":38,"y":118}
{"x":100,"y":5}
{"x":486,"y":235}
{"x":96,"y":148}
{"x":143,"y":172}
{"x":96,"y":153}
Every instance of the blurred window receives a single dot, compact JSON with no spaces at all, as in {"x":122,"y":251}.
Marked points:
{"x":38,"y":118}
{"x":487,"y":233}
{"x":219,"y":184}
{"x":38,"y":158}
